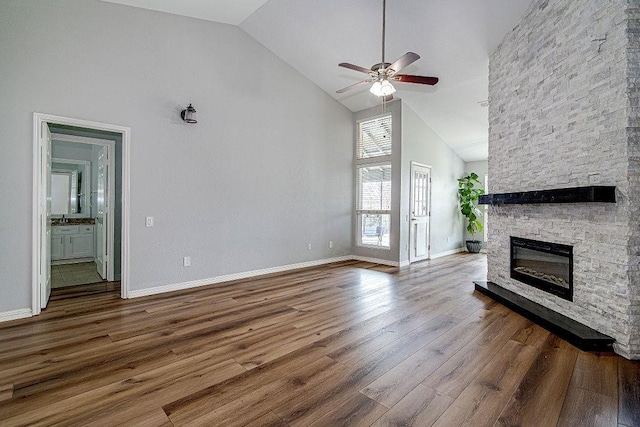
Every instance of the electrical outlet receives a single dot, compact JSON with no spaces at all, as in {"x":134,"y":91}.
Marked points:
{"x":448,"y":239}
{"x":330,"y":244}
{"x":186,"y":261}
{"x":309,"y":247}
{"x":148,"y":221}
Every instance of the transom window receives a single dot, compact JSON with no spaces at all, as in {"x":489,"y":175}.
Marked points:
{"x":374,"y":139}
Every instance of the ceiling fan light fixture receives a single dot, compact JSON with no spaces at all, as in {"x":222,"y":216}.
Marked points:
{"x":386,"y":88}
{"x":382,"y":88}
{"x":376,"y":89}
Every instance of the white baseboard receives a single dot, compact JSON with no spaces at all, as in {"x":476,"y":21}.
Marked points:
{"x":451,"y":252}
{"x":404,"y":263}
{"x":15,"y":314}
{"x":134,"y":293}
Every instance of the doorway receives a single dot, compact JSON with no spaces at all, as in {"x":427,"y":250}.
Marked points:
{"x":85,"y":196}
{"x":420,"y":209}
{"x":83,"y":226}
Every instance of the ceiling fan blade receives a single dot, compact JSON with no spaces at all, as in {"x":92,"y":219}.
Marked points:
{"x":407,"y":78}
{"x":354,"y":67}
{"x":403,"y":61}
{"x":344,"y":89}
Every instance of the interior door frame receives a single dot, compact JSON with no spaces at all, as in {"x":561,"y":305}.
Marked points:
{"x":111,"y":189}
{"x":411,"y":231}
{"x":38,"y":120}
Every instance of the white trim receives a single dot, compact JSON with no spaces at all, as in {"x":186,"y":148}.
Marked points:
{"x":404,"y":263}
{"x":35,"y":218}
{"x":229,"y":277}
{"x":451,"y":252}
{"x":38,"y":119}
{"x":15,"y":314}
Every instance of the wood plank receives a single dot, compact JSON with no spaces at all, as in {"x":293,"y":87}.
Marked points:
{"x":6,"y":392}
{"x":629,"y":392}
{"x":483,"y":400}
{"x":453,"y":376}
{"x":421,"y":407}
{"x":298,"y":366}
{"x":345,"y":379}
{"x":540,"y":396}
{"x":132,"y":416}
{"x":252,"y":405}
{"x":357,"y":411}
{"x":587,"y":408}
{"x":153,"y":387}
{"x":597,"y":372}
{"x":531,"y":334}
{"x":391,"y":387}
{"x":267,"y":420}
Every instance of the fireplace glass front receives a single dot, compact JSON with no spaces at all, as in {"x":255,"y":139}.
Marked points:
{"x":544,"y":265}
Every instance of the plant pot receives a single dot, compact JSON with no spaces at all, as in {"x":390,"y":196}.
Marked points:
{"x":474,"y":246}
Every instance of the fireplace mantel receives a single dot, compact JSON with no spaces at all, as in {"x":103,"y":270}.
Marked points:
{"x":590,"y":194}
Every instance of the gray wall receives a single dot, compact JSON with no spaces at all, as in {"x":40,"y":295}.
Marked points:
{"x":421,"y":144}
{"x":267,"y":170}
{"x":481,"y":168}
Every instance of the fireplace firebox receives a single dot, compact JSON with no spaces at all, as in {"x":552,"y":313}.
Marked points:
{"x":546,"y":266}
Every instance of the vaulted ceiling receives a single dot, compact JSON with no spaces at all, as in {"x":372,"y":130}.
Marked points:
{"x":453,"y":38}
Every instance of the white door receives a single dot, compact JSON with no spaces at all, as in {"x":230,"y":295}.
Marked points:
{"x":420,"y":212}
{"x":102,"y":212}
{"x":45,"y":217}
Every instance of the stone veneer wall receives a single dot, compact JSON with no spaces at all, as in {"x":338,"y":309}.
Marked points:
{"x":562,"y":113}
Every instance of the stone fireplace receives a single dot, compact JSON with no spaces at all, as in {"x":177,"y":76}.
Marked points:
{"x":564,"y":113}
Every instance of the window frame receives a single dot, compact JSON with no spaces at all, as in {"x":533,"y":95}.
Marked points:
{"x":363,"y":162}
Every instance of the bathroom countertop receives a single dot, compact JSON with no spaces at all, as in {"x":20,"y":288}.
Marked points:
{"x":73,"y":221}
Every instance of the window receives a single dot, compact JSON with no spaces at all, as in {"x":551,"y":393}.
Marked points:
{"x":374,"y":139}
{"x":373,"y":207}
{"x":373,"y":186}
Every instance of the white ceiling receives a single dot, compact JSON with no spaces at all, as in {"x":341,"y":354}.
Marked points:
{"x":225,"y":11}
{"x":453,"y":38}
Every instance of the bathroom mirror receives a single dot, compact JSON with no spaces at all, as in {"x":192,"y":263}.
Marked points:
{"x":70,"y":188}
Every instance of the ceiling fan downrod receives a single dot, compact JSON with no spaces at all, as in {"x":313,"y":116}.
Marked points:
{"x":384,"y":26}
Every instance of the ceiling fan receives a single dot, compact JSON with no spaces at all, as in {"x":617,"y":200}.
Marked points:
{"x":383,"y":73}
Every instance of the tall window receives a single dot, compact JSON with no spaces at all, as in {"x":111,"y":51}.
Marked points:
{"x":373,"y":186}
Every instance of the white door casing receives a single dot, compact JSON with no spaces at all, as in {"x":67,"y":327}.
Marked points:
{"x":40,"y":251}
{"x":45,"y":214}
{"x":420,"y":212}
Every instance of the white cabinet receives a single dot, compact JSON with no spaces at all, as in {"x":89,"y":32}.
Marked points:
{"x":71,"y":242}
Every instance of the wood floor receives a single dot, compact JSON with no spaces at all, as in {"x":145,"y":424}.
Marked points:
{"x":350,"y":344}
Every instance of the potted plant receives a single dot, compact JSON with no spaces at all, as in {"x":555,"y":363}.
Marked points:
{"x":468,"y":195}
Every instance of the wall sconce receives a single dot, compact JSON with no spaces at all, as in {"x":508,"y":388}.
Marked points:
{"x":189,"y":114}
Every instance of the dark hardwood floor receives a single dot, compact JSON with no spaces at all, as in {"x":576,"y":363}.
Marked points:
{"x":347,"y":344}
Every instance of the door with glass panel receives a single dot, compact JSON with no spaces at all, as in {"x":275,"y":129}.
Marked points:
{"x":420,"y":212}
